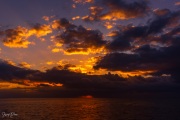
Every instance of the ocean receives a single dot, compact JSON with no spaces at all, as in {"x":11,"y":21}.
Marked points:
{"x":89,"y":109}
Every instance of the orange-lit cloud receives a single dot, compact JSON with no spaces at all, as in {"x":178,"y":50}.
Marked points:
{"x":109,"y":25}
{"x":116,"y":10}
{"x":61,"y":23}
{"x":81,"y":45}
{"x":55,"y":24}
{"x":86,"y":66}
{"x":10,"y":62}
{"x":16,"y":38}
{"x":134,"y":73}
{"x":80,"y":67}
{"x":50,"y":63}
{"x":115,"y":15}
{"x":95,"y":11}
{"x":40,"y":30}
{"x":58,"y":44}
{"x":78,"y":40}
{"x":76,"y":17}
{"x":19,"y":36}
{"x":37,"y":84}
{"x":26,"y":84}
{"x":82,"y":51}
{"x":83,"y":1}
{"x":88,"y":18}
{"x":25,"y":65}
{"x":55,"y":50}
{"x":112,"y":34}
{"x":9,"y":85}
{"x":46,"y":18}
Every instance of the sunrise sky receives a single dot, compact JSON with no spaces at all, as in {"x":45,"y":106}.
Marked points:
{"x":71,"y":48}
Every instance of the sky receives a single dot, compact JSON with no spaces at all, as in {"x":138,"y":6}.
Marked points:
{"x":98,"y":48}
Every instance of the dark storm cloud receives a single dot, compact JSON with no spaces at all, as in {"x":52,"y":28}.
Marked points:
{"x":10,"y":72}
{"x":56,"y":75}
{"x":164,"y":60}
{"x":117,"y":9}
{"x":78,"y":84}
{"x":128,"y":36}
{"x":170,"y":38}
{"x":123,"y":38}
{"x":74,"y":84}
{"x":118,"y":61}
{"x":162,"y":21}
{"x":78,"y":80}
{"x":108,"y":85}
{"x":79,"y":39}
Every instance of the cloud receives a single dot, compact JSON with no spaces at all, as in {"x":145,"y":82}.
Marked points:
{"x":124,"y":37}
{"x":40,"y":30}
{"x":162,"y":12}
{"x":150,"y":50}
{"x":22,"y":77}
{"x":34,"y":84}
{"x":151,"y":47}
{"x":24,"y":65}
{"x":17,"y":37}
{"x":79,"y":40}
{"x":46,"y":18}
{"x":94,"y":14}
{"x":76,"y":17}
{"x":109,"y":25}
{"x":61,"y":23}
{"x":49,"y":62}
{"x":61,"y":82}
{"x":55,"y":76}
{"x":78,"y":81}
{"x":120,"y":9}
{"x":164,"y":60}
{"x":83,"y":1}
{"x":55,"y":50}
{"x":10,"y":85}
{"x":163,"y":26}
{"x":117,"y":10}
{"x":163,"y":20}
{"x":10,"y":71}
{"x":118,"y":61}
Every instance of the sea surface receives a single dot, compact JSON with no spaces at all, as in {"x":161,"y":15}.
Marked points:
{"x":90,"y":109}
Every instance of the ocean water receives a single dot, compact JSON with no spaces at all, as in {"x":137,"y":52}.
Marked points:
{"x":90,"y":109}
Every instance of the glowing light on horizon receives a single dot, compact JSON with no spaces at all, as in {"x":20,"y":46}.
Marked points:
{"x":87,"y":96}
